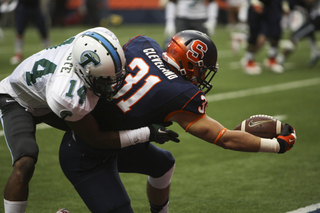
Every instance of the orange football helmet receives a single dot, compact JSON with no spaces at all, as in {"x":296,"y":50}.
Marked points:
{"x":193,"y":55}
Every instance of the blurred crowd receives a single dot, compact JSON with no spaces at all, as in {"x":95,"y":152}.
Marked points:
{"x":252,"y":24}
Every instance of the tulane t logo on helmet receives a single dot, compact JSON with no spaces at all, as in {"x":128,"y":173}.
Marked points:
{"x":99,"y":61}
{"x":89,"y":57}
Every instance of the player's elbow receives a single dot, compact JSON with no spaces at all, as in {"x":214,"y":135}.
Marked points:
{"x":225,"y":142}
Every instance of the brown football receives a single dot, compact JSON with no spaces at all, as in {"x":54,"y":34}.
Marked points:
{"x":264,"y":126}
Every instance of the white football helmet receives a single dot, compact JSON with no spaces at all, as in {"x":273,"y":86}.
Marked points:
{"x":99,"y":61}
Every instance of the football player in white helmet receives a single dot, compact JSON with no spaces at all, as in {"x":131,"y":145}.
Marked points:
{"x":106,"y":78}
{"x":60,"y":86}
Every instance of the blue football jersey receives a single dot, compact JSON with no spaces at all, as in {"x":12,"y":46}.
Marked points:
{"x":151,"y":93}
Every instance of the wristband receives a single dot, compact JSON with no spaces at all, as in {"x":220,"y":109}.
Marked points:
{"x":269,"y":145}
{"x":132,"y":137}
{"x":220,"y":135}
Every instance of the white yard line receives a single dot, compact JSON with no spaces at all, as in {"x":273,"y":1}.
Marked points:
{"x":312,"y":208}
{"x":263,"y":90}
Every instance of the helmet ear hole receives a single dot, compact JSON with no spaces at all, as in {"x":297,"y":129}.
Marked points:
{"x":190,"y":65}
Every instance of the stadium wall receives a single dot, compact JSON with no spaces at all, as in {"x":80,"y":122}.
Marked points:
{"x":137,"y":11}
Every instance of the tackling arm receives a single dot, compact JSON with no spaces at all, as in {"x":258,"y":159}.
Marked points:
{"x":87,"y":128}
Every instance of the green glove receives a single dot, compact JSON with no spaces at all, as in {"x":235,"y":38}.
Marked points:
{"x":160,"y":134}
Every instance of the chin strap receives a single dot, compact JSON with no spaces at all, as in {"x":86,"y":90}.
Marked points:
{"x":176,"y":66}
{"x":170,"y":61}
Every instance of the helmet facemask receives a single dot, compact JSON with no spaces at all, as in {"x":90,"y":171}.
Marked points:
{"x":206,"y":74}
{"x":105,"y":87}
{"x":108,"y":87}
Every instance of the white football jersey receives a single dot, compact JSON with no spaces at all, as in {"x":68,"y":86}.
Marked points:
{"x":46,"y":82}
{"x":191,"y":9}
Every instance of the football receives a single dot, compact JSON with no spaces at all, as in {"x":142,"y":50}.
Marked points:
{"x":264,"y":126}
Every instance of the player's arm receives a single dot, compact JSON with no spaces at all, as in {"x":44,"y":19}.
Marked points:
{"x":84,"y":125}
{"x":208,"y":129}
{"x":212,"y":131}
{"x":88,"y":130}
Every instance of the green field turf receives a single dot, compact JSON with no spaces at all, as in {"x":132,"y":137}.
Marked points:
{"x":207,"y":178}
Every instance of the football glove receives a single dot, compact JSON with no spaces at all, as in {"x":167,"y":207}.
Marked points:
{"x":287,"y":138}
{"x":160,"y":134}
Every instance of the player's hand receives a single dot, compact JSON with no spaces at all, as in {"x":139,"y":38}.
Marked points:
{"x":160,"y":134}
{"x":287,"y":138}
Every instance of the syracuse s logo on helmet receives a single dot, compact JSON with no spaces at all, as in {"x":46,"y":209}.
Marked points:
{"x":197,"y":51}
{"x":89,"y":57}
